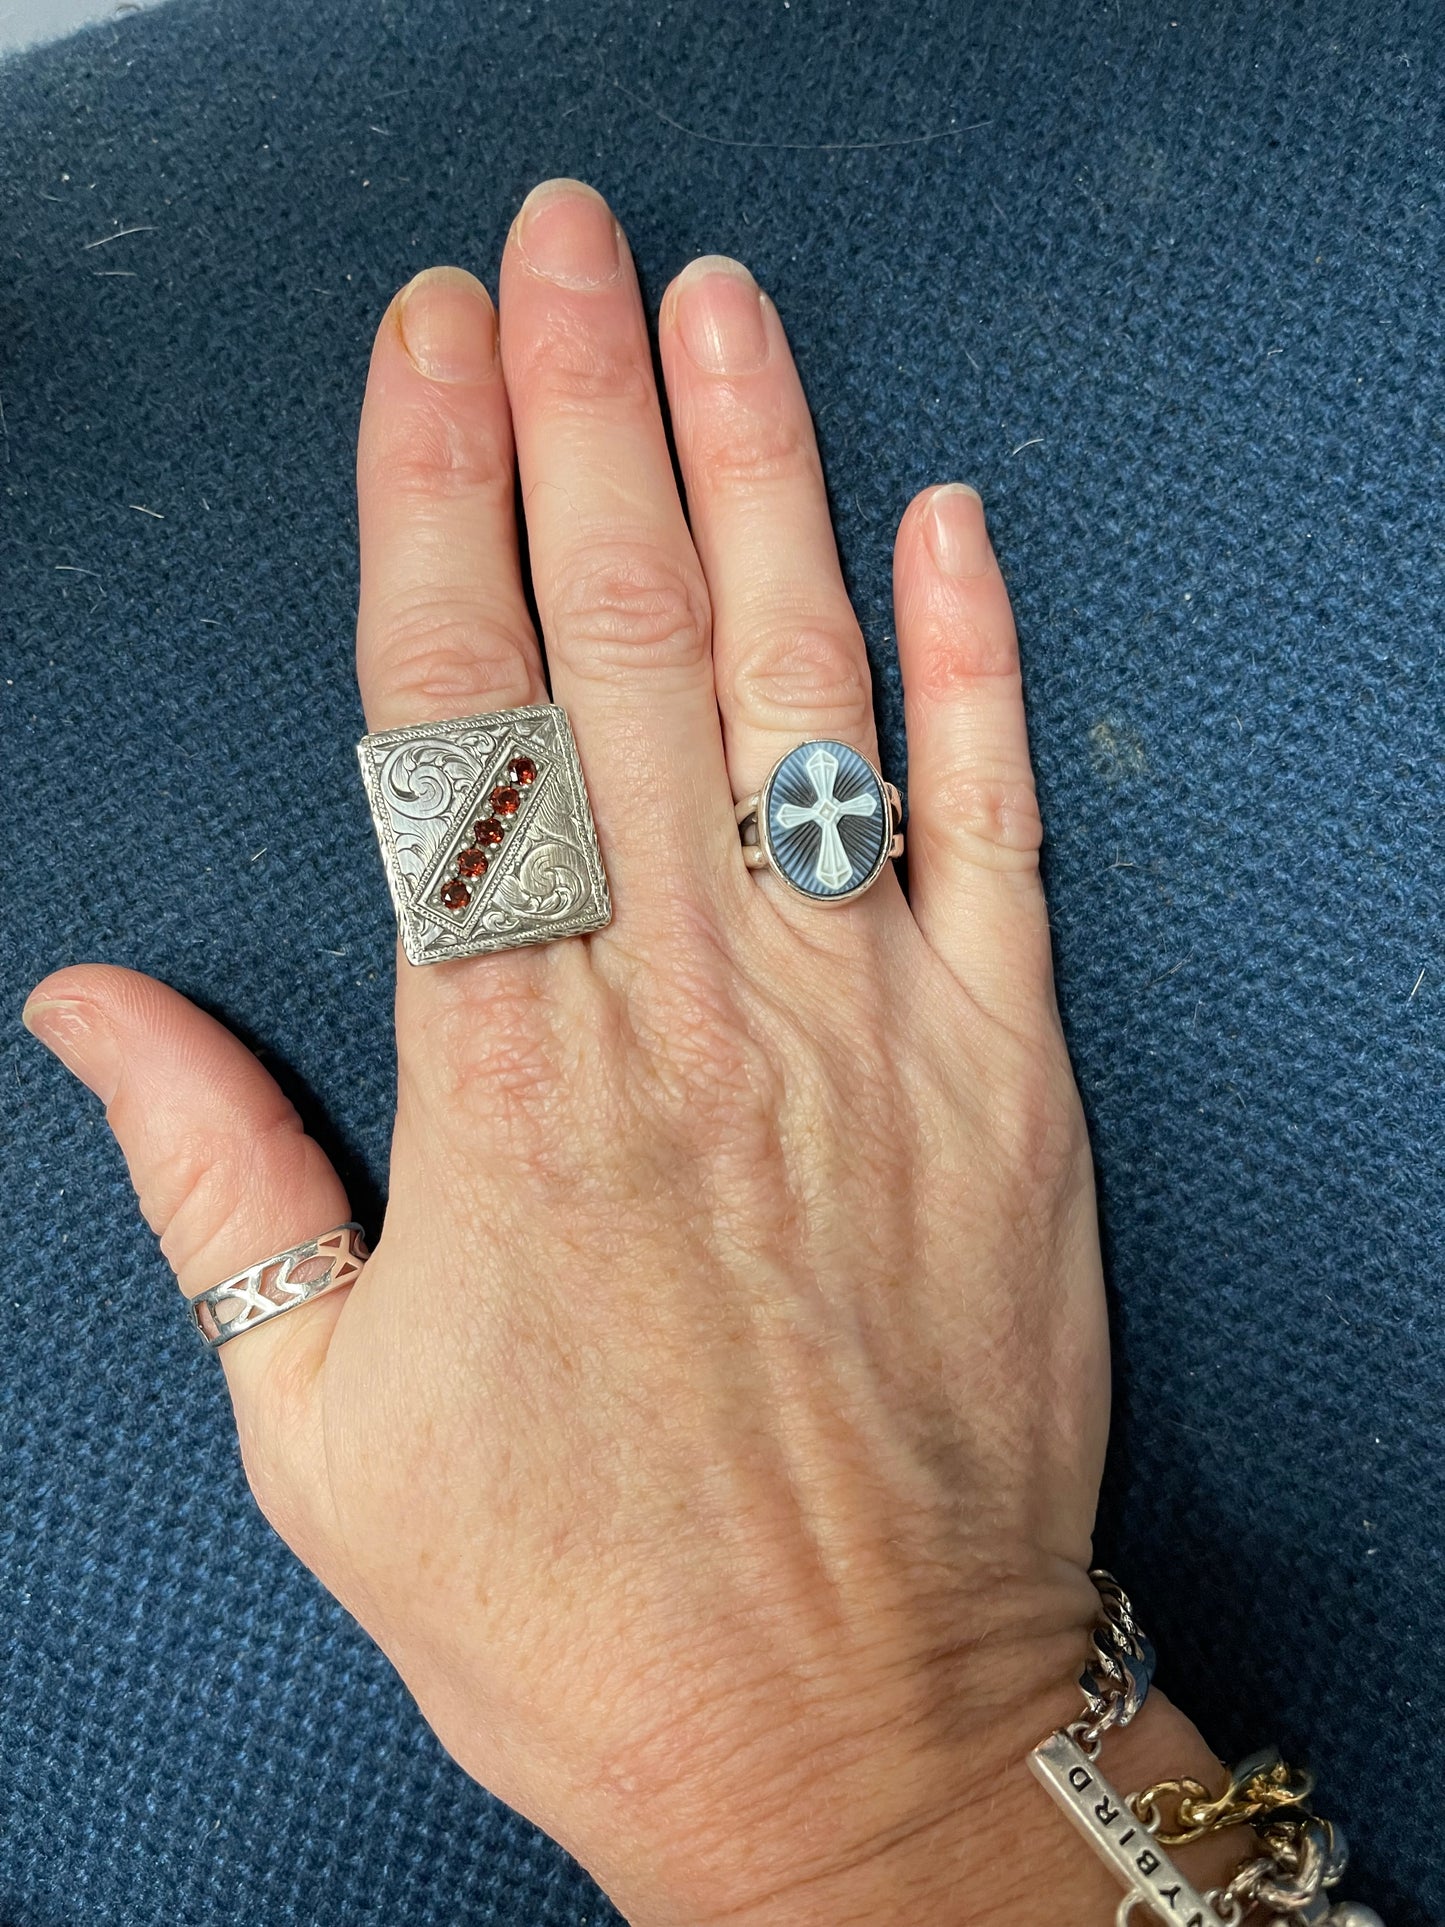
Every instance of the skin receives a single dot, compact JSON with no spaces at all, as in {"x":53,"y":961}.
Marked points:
{"x":713,"y":1440}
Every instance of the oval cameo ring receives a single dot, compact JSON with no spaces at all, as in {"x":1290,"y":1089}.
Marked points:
{"x":825,"y":823}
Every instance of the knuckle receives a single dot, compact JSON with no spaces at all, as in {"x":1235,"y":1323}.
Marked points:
{"x":991,"y":819}
{"x":568,"y":368}
{"x":950,"y":657}
{"x":746,"y":448}
{"x":177,"y":1199}
{"x":1039,"y":1130}
{"x":705,"y":1087}
{"x":510,"y":1059}
{"x":629,"y":608}
{"x":437,"y":452}
{"x":192,"y":1198}
{"x":205,"y":1199}
{"x":817,"y":669}
{"x":433,"y":651}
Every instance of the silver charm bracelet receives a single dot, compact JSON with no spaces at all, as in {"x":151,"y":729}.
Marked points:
{"x":1300,"y":1858}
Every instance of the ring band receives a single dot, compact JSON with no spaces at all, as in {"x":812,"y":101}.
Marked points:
{"x":825,"y":823}
{"x":278,"y":1285}
{"x":486,"y":833}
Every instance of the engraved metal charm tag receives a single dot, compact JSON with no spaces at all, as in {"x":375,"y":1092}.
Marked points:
{"x":1120,"y":1840}
{"x":485,"y":831}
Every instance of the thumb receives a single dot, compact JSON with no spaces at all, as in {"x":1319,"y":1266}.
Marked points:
{"x":226,"y":1176}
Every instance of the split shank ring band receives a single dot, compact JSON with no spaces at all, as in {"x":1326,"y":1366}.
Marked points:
{"x":825,"y":823}
{"x":280,"y":1284}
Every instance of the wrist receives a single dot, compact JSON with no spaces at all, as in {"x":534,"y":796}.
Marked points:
{"x":946,"y":1827}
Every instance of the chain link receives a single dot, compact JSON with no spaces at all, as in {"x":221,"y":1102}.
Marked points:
{"x":1258,"y":1787}
{"x":1300,"y":1857}
{"x":1116,"y":1680}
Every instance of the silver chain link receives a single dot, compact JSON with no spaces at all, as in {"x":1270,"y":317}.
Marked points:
{"x":1116,"y":1680}
{"x":1301,"y":1857}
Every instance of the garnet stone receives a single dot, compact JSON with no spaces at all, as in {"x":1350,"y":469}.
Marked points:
{"x":456,"y":896}
{"x":523,"y":770}
{"x":472,"y":863}
{"x":505,"y":800}
{"x":489,"y":830}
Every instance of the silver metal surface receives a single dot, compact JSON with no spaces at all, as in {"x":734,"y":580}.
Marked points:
{"x":1116,"y":1681}
{"x":279,"y":1284}
{"x":1300,"y":1856}
{"x":430,"y":786}
{"x":1123,"y":1842}
{"x":1292,"y":1876}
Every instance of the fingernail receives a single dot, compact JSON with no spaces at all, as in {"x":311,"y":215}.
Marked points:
{"x":567,"y":233}
{"x":80,"y":1039}
{"x":719,"y":315}
{"x":448,"y":325}
{"x":955,"y":531}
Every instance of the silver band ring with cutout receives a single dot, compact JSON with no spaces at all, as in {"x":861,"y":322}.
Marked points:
{"x":280,"y":1284}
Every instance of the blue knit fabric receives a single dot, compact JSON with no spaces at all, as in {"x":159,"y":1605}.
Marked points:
{"x":1167,"y":287}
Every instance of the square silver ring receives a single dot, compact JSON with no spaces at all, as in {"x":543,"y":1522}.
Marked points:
{"x":486,"y":832}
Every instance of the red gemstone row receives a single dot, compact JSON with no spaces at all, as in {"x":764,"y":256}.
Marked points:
{"x":487,"y":833}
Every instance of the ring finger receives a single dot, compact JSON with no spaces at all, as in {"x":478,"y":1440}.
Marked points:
{"x":788,"y":653}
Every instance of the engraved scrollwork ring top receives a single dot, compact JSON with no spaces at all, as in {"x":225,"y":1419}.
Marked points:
{"x":486,"y":832}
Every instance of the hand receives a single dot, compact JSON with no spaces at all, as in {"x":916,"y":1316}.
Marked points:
{"x":713,"y":1440}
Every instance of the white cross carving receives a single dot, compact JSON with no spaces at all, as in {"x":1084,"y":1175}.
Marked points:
{"x":833,"y":868}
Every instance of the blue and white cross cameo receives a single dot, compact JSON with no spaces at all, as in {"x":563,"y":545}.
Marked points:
{"x":825,"y":821}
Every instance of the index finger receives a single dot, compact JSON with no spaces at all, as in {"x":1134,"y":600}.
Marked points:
{"x":442,"y":629}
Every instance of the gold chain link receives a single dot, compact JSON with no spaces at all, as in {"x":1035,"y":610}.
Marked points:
{"x":1257,"y":1788}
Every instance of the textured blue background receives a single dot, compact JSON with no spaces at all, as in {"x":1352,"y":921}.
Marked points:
{"x":1176,"y":308}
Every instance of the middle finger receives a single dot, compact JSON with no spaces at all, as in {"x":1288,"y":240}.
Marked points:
{"x":619,"y":587}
